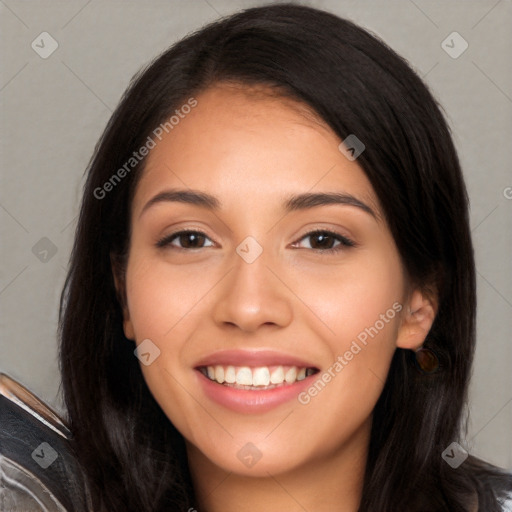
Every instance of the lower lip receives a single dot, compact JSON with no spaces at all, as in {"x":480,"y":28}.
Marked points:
{"x":251,"y":401}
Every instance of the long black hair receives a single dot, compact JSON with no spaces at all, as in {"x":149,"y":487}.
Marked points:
{"x":133,"y":456}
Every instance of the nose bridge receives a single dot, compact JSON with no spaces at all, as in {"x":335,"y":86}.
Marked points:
{"x":251,"y":294}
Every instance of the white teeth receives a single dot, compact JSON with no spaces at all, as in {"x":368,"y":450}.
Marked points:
{"x":244,"y":376}
{"x":291,"y":375}
{"x":219,"y":374}
{"x":256,"y":377}
{"x":230,"y":375}
{"x":260,"y":377}
{"x":277,"y":376}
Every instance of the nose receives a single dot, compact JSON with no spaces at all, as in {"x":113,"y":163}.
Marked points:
{"x":253,"y":294}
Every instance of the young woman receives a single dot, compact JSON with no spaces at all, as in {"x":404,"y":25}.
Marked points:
{"x":271,"y":297}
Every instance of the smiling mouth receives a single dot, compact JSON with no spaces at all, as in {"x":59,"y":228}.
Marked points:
{"x":256,"y":378}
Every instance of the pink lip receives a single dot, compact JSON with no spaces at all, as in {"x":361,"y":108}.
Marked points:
{"x":252,"y":358}
{"x":250,"y":401}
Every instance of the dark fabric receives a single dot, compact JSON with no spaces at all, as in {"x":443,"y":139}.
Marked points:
{"x":43,"y":452}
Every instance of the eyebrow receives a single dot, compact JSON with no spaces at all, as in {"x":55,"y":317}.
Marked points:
{"x":311,"y":199}
{"x":292,"y":203}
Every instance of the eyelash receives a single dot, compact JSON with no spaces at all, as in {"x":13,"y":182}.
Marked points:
{"x":344,"y":241}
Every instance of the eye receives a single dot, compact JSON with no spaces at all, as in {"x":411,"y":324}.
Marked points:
{"x":324,"y":240}
{"x":188,"y":238}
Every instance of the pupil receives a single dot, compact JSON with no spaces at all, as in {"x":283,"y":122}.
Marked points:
{"x":323,"y":238}
{"x":190,"y":236}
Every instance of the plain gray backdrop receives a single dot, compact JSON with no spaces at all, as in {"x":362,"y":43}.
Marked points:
{"x":55,"y":108}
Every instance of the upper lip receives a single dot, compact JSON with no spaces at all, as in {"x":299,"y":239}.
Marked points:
{"x":253,"y":358}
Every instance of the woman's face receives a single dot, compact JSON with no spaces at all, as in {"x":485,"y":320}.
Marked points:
{"x":255,"y":299}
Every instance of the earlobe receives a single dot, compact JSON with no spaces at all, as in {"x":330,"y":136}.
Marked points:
{"x":127,"y":323}
{"x":417,"y":319}
{"x":128,"y":329}
{"x":121,"y":297}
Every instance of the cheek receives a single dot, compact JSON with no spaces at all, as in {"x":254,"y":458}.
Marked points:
{"x":354,"y":298}
{"x":161,"y":302}
{"x":359,"y":311}
{"x":159,"y":295}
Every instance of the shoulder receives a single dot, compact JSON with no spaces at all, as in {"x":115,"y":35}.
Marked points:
{"x":499,"y":484}
{"x":37,"y":462}
{"x":506,"y":504}
{"x":492,"y":486}
{"x":503,"y":489}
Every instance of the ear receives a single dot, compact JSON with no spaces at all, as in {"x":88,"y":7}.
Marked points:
{"x":120,"y":285}
{"x":418,"y":316}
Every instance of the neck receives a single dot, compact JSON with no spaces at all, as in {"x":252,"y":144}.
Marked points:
{"x":323,"y":484}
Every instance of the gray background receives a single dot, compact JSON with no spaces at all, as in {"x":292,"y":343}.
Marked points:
{"x":54,"y":110}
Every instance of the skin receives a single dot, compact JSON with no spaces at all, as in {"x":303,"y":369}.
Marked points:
{"x":251,"y":150}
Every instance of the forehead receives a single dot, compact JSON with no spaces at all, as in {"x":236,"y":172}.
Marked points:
{"x":251,"y":142}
